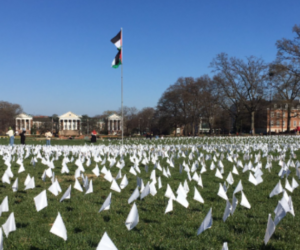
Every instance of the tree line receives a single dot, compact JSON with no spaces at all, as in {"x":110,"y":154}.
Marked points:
{"x":239,"y":91}
{"x":234,"y":99}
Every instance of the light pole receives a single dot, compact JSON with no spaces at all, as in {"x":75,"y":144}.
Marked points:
{"x":87,"y":126}
{"x":271,"y":74}
{"x":140,"y":124}
{"x":270,"y":90}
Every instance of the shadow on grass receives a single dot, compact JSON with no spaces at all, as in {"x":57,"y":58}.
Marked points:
{"x":120,"y":212}
{"x":77,"y":230}
{"x":22,"y":225}
{"x":18,"y":201}
{"x":34,"y":248}
{"x":268,"y":247}
{"x":150,"y":221}
{"x":92,"y":244}
{"x":136,"y":230}
{"x":158,"y":248}
{"x":69,"y":209}
{"x":143,"y":208}
{"x":106,"y":218}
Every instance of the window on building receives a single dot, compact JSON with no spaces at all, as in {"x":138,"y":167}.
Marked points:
{"x":275,"y":105}
{"x":283,"y":114}
{"x":286,"y":106}
{"x":272,"y":114}
{"x":66,"y":126}
{"x":272,"y":123}
{"x":295,"y":123}
{"x":277,"y":123}
{"x":283,"y":123}
{"x":278,"y":115}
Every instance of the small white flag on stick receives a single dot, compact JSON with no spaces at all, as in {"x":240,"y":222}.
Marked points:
{"x":270,"y":229}
{"x":106,"y":204}
{"x":58,"y":228}
{"x":207,"y":222}
{"x":133,"y":218}
{"x":106,"y":243}
{"x":9,"y":225}
{"x":41,"y":201}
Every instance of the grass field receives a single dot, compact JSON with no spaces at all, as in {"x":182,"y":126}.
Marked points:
{"x":155,"y":230}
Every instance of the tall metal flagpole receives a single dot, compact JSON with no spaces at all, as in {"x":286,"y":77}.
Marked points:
{"x":122,"y":54}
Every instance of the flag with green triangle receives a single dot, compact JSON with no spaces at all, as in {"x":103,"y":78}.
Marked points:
{"x":117,"y":41}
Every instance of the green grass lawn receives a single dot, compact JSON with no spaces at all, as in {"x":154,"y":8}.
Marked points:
{"x":155,"y":230}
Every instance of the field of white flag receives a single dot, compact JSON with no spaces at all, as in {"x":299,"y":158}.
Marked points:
{"x":177,"y":193}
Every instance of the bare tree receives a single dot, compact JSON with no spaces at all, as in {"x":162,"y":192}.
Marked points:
{"x":242,"y":82}
{"x":290,"y":49}
{"x":229,"y":100}
{"x":208,"y":101}
{"x":286,"y":81}
{"x":145,"y":117}
{"x":169,"y":111}
{"x":46,"y":125}
{"x":8,"y":113}
{"x":130,"y":119}
{"x":55,"y":123}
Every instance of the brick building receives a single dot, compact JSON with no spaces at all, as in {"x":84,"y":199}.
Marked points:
{"x":277,"y":116}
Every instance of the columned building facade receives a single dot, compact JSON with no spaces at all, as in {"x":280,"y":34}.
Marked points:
{"x":114,"y":124}
{"x":24,"y":121}
{"x":69,"y":124}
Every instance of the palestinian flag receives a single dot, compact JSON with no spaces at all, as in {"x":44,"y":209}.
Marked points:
{"x":118,"y":60}
{"x":117,"y":41}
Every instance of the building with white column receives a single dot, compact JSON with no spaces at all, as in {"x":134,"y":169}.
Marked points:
{"x":114,"y":124}
{"x":69,"y":124}
{"x":24,"y":121}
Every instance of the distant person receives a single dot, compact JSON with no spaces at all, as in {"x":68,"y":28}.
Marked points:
{"x":10,"y":134}
{"x":93,"y":136}
{"x":23,"y":137}
{"x":48,"y":136}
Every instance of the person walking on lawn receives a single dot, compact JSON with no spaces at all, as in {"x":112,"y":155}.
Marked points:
{"x":10,"y":134}
{"x":48,"y":137}
{"x":23,"y":137}
{"x":94,"y":136}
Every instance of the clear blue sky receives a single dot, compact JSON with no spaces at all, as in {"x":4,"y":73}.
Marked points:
{"x":55,"y":55}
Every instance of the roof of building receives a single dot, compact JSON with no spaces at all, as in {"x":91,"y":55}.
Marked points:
{"x":114,"y":115}
{"x":24,"y":116}
{"x":69,"y":115}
